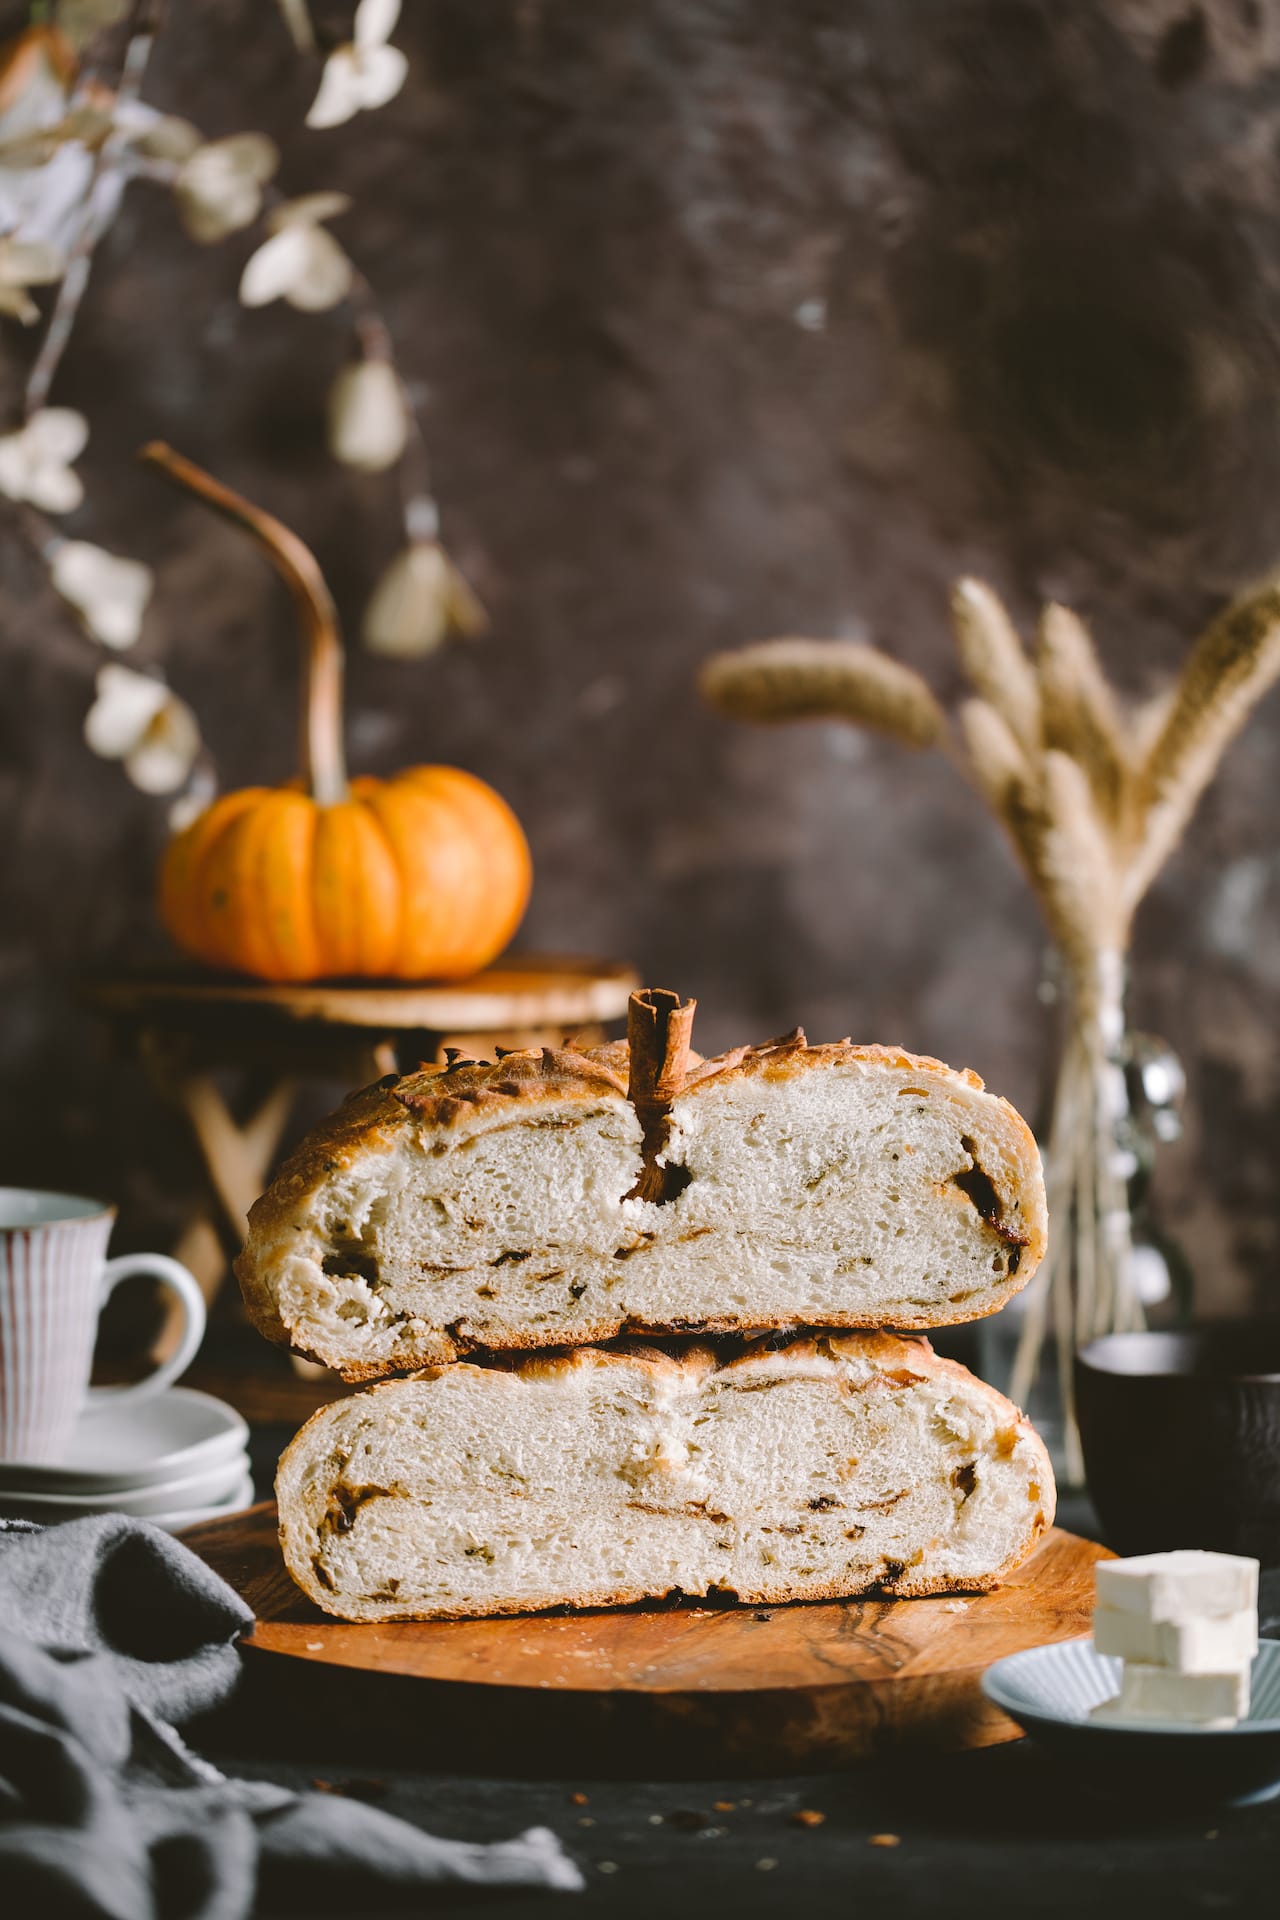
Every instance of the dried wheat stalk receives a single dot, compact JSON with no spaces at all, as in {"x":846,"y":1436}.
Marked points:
{"x":1081,"y":894}
{"x":995,"y":660}
{"x":1091,"y":844}
{"x":824,"y":680}
{"x":1233,"y":664}
{"x":996,"y":762}
{"x":1146,"y":723}
{"x":1094,"y":799}
{"x":1079,"y":711}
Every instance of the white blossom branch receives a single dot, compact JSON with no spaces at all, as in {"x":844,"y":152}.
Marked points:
{"x":98,"y":209}
{"x":418,"y":505}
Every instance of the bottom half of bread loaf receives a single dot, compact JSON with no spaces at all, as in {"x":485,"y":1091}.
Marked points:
{"x":828,"y":1465}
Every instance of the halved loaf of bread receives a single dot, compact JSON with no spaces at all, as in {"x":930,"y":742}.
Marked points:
{"x":830,"y":1465}
{"x":495,"y":1207}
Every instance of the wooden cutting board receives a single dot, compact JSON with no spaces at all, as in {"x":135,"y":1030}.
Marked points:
{"x":659,"y":1690}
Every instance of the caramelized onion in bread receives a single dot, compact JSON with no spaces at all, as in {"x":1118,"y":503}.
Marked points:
{"x":497,"y":1206}
{"x":830,"y":1464}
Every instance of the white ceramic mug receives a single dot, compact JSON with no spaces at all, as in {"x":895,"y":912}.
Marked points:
{"x":54,"y":1280}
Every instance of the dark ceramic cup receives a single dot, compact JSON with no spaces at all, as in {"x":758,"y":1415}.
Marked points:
{"x":1181,"y":1438}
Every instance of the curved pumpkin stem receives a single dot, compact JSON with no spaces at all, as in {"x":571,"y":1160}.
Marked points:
{"x":323,"y":764}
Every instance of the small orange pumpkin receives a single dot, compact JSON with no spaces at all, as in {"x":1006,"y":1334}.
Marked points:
{"x":422,"y":876}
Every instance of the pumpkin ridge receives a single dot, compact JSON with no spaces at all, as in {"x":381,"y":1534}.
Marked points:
{"x":250,"y":920}
{"x":285,"y":861}
{"x":353,"y":886}
{"x":217,"y":899}
{"x":466,"y":915}
{"x":389,"y":950}
{"x":506,"y":844}
{"x":496,"y":836}
{"x":181,"y":870}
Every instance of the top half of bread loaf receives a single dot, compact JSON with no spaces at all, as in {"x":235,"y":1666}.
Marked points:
{"x":876,"y":1187}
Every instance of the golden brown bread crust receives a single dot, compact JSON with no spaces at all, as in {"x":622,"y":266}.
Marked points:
{"x":461,"y":1098}
{"x":472,"y":1095}
{"x":900,"y":1361}
{"x":364,"y":1119}
{"x":792,"y":1052}
{"x":472,"y":1087}
{"x":524,"y":1344}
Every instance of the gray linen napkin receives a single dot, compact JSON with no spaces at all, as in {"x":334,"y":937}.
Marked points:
{"x":111,"y":1635}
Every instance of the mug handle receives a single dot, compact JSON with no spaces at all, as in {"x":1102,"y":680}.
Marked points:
{"x":187,"y":1288}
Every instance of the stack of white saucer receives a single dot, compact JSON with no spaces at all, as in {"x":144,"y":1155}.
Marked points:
{"x":176,"y":1458}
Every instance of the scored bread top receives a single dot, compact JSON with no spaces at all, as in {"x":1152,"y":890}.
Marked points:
{"x":459,"y":1094}
{"x":465,"y":1097}
{"x":794,"y":1053}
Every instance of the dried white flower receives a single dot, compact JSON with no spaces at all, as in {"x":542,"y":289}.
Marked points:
{"x":219,"y":189}
{"x":45,"y":205}
{"x":163,"y":136}
{"x":110,"y":594}
{"x":198,"y":794}
{"x":23,"y":264}
{"x":367,"y":425}
{"x":301,"y":262}
{"x":83,"y":126}
{"x":420,"y":600}
{"x":141,"y":722}
{"x":364,"y":73}
{"x":35,"y":462}
{"x":45,"y":168}
{"x":37,"y":70}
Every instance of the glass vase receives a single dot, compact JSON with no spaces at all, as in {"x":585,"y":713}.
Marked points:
{"x":1106,"y":1269}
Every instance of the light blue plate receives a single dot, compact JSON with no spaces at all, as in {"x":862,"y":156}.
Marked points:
{"x":1049,"y":1691}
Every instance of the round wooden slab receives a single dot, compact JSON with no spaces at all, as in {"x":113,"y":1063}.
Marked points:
{"x":659,"y":1689}
{"x":521,"y":990}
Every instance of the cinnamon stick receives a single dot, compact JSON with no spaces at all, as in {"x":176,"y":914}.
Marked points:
{"x":659,"y":1026}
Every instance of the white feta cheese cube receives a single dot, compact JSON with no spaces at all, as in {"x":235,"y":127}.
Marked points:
{"x":1179,"y":1586}
{"x":1150,"y":1694}
{"x":1226,"y":1644}
{"x":1111,"y":1713}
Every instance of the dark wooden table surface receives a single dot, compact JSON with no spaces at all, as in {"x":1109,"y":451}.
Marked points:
{"x":997,"y":1832}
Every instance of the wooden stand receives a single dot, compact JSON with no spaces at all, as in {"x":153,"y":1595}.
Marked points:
{"x":187,"y":1027}
{"x":656,"y":1690}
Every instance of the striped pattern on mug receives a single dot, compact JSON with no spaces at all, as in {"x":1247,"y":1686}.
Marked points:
{"x":49,"y":1299}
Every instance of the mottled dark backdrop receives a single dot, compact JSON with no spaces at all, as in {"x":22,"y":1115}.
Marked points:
{"x":731,"y":318}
